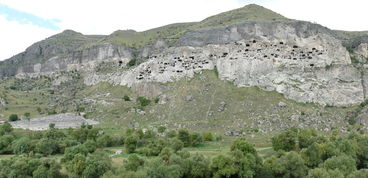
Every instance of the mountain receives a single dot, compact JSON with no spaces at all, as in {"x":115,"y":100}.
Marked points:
{"x":208,"y":73}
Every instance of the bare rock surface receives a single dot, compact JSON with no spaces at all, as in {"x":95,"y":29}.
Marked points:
{"x":61,"y":121}
{"x":2,"y":102}
{"x":301,"y":60}
{"x":298,"y":59}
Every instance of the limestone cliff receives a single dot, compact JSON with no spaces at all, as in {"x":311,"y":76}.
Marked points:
{"x":304,"y":61}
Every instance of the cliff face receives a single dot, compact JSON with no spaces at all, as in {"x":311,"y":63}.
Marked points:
{"x":301,"y":60}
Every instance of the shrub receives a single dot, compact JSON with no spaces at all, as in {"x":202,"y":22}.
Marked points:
{"x":161,"y":129}
{"x":13,"y":117}
{"x":27,"y":114}
{"x":157,"y":100}
{"x":208,"y":136}
{"x":126,"y":98}
{"x":143,"y":101}
{"x":80,"y":108}
{"x":132,"y":62}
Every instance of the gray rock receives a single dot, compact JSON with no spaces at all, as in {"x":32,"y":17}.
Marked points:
{"x":299,"y":59}
{"x":2,"y":102}
{"x":163,"y":99}
{"x":221,"y":108}
{"x":282,"y":104}
{"x":189,"y":98}
{"x":61,"y":121}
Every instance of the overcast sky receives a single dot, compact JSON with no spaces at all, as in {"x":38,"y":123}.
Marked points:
{"x":24,"y":22}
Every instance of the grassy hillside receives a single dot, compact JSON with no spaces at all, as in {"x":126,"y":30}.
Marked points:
{"x":248,"y":13}
{"x":203,"y":104}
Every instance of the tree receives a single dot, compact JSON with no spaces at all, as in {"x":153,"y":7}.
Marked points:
{"x":133,"y":163}
{"x":46,"y":146}
{"x":22,"y":145}
{"x":47,"y":168}
{"x":320,"y":172}
{"x":96,"y":165}
{"x":223,"y":166}
{"x":90,"y":145}
{"x":70,"y":152}
{"x":285,"y":141}
{"x":287,"y":165}
{"x":131,"y":143}
{"x":156,"y":168}
{"x":307,"y":138}
{"x":104,"y":141}
{"x":199,"y":166}
{"x":13,"y":117}
{"x":166,"y":153}
{"x":184,"y":136}
{"x":243,"y":146}
{"x":77,"y":165}
{"x":345,"y":164}
{"x":313,"y":155}
{"x":5,"y":144}
{"x":176,"y":144}
{"x":196,"y":139}
{"x":363,"y":173}
{"x":5,"y":128}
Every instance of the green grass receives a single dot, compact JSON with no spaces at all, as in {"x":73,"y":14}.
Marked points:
{"x":243,"y":104}
{"x":174,"y":31}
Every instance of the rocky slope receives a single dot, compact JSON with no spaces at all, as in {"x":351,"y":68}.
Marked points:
{"x":304,"y":61}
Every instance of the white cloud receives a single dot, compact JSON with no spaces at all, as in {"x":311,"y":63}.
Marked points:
{"x":335,"y":14}
{"x":15,"y":38}
{"x":104,"y":17}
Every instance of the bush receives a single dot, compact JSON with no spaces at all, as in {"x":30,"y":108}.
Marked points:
{"x":161,"y":129}
{"x":208,"y":136}
{"x":143,"y":101}
{"x":184,"y":136}
{"x":27,"y":114}
{"x":126,"y":98}
{"x":80,"y":108}
{"x":132,"y":62}
{"x":13,"y":117}
{"x":157,"y":100}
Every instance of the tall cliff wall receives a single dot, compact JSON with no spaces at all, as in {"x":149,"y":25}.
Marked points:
{"x":299,"y":59}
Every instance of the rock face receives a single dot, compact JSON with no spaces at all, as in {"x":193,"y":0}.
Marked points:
{"x":299,"y":59}
{"x":61,"y":121}
{"x":362,"y":50}
{"x":2,"y":102}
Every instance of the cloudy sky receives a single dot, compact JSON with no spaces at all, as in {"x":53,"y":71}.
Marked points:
{"x":23,"y":22}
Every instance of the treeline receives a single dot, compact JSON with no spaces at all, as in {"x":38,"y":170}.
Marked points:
{"x":160,"y":154}
{"x":80,"y":151}
{"x":298,"y":153}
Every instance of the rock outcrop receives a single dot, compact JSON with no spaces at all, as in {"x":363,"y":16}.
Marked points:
{"x":302,"y":60}
{"x":362,"y":50}
{"x":299,"y":59}
{"x":2,"y":102}
{"x":61,"y":121}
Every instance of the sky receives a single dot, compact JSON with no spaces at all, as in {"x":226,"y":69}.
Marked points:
{"x":24,"y":22}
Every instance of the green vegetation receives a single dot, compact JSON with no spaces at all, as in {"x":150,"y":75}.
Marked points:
{"x":13,"y":117}
{"x":143,"y":101}
{"x":173,"y":31}
{"x":126,"y":98}
{"x":132,"y":62}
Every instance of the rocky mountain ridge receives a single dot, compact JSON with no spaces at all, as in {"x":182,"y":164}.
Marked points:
{"x":304,"y":61}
